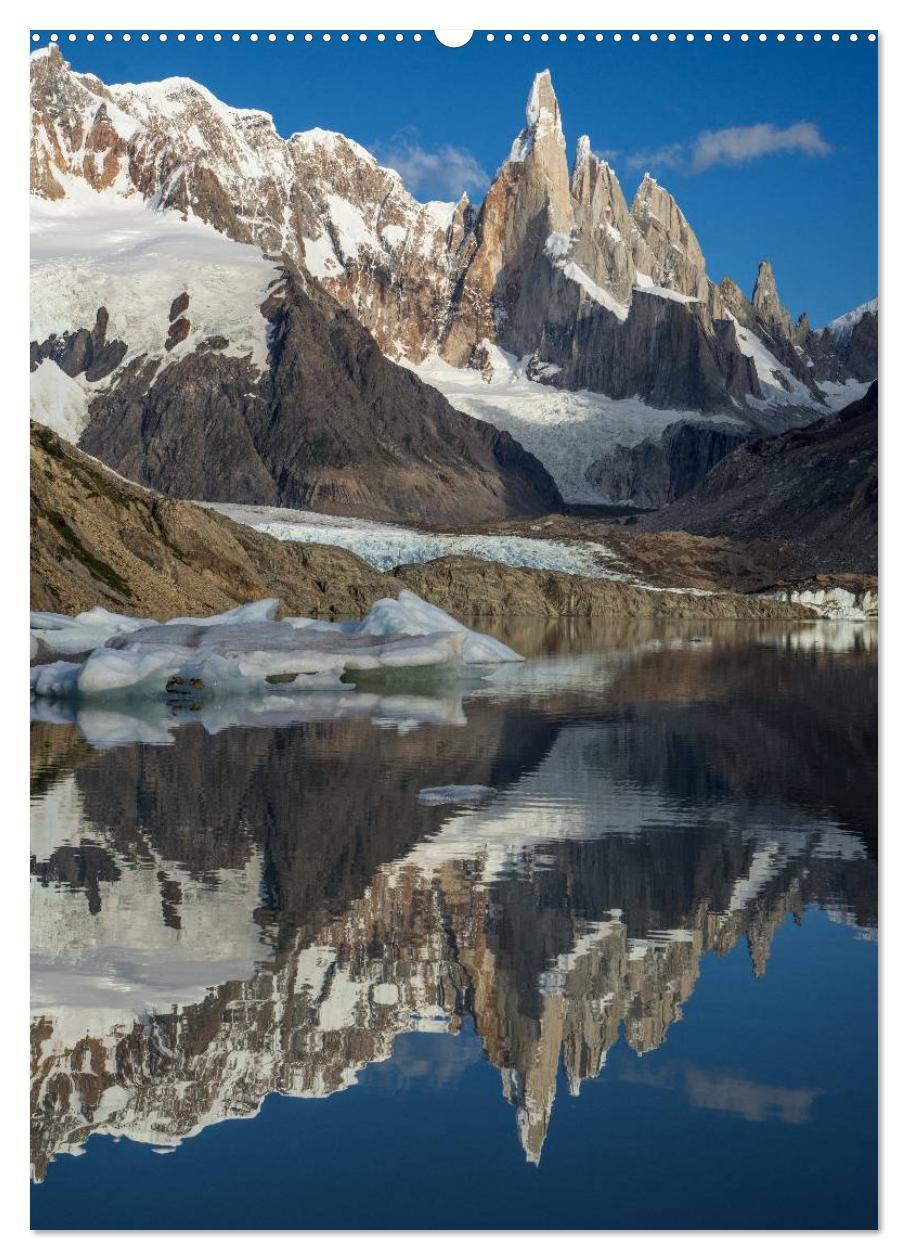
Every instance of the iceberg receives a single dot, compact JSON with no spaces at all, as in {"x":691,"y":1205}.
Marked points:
{"x":247,"y":649}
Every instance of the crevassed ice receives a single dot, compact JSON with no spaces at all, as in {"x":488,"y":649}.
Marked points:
{"x":247,"y":648}
{"x":385,"y":545}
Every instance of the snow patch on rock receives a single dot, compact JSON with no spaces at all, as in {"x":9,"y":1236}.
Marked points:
{"x":773,"y":376}
{"x":841,"y":327}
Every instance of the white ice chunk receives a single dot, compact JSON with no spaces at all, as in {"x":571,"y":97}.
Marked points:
{"x":454,"y":794}
{"x":87,"y":630}
{"x":247,"y":649}
{"x":410,"y":615}
{"x":243,"y":614}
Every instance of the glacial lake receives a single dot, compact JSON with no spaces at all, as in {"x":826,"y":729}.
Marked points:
{"x":588,"y":941}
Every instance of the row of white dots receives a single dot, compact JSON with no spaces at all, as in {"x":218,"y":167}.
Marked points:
{"x":708,"y":37}
{"x":690,"y":37}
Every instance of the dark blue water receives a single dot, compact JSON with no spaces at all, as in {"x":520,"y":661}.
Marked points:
{"x":631,"y":984}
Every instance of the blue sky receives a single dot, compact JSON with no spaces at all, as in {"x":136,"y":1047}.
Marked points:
{"x":791,"y":175}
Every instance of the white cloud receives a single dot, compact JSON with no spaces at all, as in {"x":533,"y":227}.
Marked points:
{"x":669,"y":157}
{"x":444,"y":172}
{"x":733,"y":146}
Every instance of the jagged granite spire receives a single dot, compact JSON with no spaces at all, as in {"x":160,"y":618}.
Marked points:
{"x":765,"y":301}
{"x":607,"y":245}
{"x":543,"y":120}
{"x":670,"y":238}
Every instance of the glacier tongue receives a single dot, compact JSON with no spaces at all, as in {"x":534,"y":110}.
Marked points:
{"x":247,"y":649}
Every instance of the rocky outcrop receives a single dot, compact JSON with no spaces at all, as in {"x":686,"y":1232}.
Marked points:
{"x":814,"y":488}
{"x":653,"y":473}
{"x":482,"y":589}
{"x":83,"y":352}
{"x":770,"y":322}
{"x":675,"y":259}
{"x":767,"y":307}
{"x":97,"y":539}
{"x":504,"y":291}
{"x":847,"y":348}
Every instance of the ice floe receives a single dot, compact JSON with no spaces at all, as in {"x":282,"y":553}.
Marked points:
{"x":248,"y":649}
{"x":455,"y":794}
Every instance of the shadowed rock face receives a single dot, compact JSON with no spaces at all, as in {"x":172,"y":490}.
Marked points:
{"x":374,"y":915}
{"x":851,"y":353}
{"x":767,"y":307}
{"x":815,"y":488}
{"x":332,"y":425}
{"x":657,"y":472}
{"x":85,"y":351}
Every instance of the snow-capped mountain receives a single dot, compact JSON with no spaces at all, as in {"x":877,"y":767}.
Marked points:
{"x":192,"y":361}
{"x":847,"y":347}
{"x":842,"y":328}
{"x":551,"y":304}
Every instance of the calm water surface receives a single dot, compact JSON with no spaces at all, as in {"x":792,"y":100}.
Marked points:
{"x":588,"y":941}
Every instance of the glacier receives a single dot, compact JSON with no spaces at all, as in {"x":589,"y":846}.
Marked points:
{"x":385,"y":545}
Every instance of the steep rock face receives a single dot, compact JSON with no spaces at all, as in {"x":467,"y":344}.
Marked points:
{"x":783,"y":369}
{"x":847,"y":348}
{"x":608,"y":245}
{"x":765,"y":302}
{"x":503,"y":292}
{"x":669,"y":352}
{"x":677,"y":259}
{"x":332,"y":424}
{"x":815,"y":487}
{"x":653,"y":473}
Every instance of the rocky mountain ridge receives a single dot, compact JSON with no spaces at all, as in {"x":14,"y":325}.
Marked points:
{"x":582,"y":291}
{"x":814,"y":489}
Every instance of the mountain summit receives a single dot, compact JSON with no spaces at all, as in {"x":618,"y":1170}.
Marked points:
{"x":553,"y":274}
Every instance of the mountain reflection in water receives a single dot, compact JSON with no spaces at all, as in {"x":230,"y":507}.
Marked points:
{"x":238,"y":900}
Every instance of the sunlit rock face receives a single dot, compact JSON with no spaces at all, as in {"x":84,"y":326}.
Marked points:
{"x":273,"y":287}
{"x":274,"y":923}
{"x":550,"y":266}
